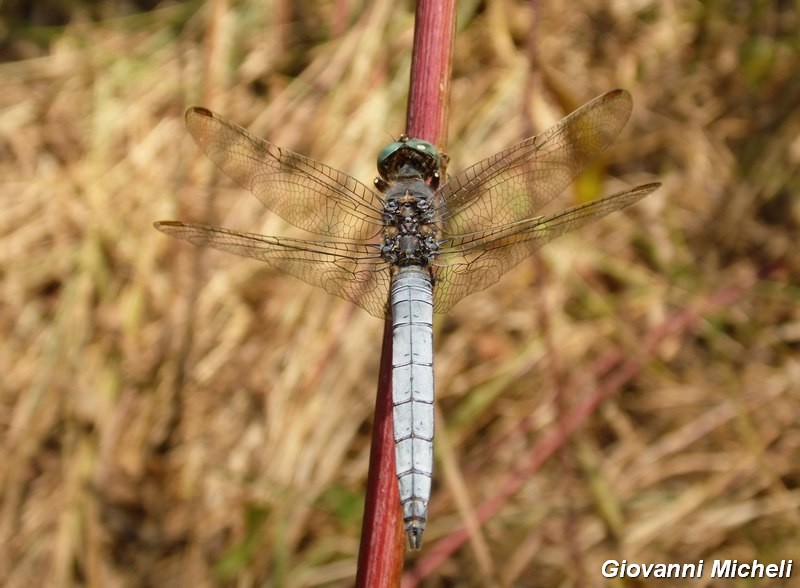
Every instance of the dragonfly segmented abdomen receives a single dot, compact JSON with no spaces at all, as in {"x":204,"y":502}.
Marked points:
{"x":412,"y":394}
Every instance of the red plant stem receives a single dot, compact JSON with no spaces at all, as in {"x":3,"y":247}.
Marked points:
{"x":431,"y":67}
{"x":380,"y":559}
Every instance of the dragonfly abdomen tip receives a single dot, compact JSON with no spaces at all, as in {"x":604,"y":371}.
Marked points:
{"x":414,"y":531}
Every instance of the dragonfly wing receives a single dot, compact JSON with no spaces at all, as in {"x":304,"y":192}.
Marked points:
{"x":353,"y":271}
{"x":310,"y":195}
{"x":472,"y":262}
{"x":515,"y":184}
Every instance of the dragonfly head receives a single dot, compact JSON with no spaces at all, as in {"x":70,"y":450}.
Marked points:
{"x":408,"y":159}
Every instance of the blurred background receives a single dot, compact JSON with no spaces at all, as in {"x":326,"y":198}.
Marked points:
{"x":171,"y":416}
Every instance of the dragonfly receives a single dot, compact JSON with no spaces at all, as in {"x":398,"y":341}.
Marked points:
{"x":410,"y":245}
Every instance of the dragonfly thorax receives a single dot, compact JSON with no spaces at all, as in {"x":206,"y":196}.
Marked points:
{"x":409,"y":237}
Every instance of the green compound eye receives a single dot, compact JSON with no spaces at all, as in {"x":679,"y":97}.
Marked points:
{"x":417,"y":145}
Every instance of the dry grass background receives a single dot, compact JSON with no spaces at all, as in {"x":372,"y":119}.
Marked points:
{"x":177,"y":417}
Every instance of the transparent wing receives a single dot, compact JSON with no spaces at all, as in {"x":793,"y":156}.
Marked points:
{"x":304,"y":192}
{"x":471,"y":262}
{"x":513,"y":185}
{"x":353,"y":271}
